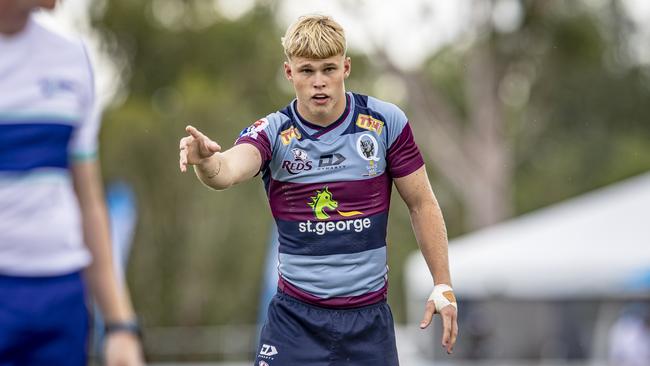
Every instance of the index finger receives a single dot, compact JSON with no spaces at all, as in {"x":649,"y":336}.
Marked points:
{"x":194,"y":132}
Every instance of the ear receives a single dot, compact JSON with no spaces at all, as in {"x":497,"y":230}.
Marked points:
{"x":347,"y":66}
{"x":287,"y":71}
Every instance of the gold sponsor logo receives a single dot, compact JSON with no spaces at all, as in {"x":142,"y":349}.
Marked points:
{"x":289,"y":134}
{"x":372,"y":124}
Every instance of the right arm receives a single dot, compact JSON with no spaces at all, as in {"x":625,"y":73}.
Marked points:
{"x":216,"y":169}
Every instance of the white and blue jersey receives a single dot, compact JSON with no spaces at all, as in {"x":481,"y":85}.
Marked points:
{"x":329,"y":191}
{"x":47,"y":120}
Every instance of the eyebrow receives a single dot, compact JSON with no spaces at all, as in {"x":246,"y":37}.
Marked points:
{"x":309,"y":65}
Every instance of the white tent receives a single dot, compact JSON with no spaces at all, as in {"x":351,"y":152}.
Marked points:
{"x":596,"y":245}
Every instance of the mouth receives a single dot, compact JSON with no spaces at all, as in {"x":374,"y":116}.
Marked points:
{"x":320,"y":98}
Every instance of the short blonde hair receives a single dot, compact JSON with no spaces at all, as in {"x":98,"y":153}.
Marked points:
{"x":314,"y":37}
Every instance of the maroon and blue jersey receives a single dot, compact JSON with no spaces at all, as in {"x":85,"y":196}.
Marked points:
{"x":329,"y":191}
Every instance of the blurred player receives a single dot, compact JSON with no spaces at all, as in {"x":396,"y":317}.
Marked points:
{"x":328,"y":161}
{"x":53,"y":221}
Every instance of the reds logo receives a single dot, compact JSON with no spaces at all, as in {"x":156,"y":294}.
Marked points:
{"x":300,"y":162}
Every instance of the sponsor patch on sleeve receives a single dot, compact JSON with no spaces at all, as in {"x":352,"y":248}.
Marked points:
{"x":254,"y":129}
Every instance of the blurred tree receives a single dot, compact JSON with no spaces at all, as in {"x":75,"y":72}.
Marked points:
{"x":198,"y":255}
{"x":490,"y":110}
{"x":510,"y":120}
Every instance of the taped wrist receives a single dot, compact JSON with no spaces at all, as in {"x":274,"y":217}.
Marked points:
{"x":443,"y":295}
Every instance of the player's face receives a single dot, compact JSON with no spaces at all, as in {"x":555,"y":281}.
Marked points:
{"x":14,"y":13}
{"x":319,"y":86}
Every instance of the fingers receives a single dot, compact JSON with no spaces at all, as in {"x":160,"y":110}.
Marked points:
{"x":428,"y":314}
{"x":454,"y":333}
{"x":209,"y":147}
{"x":194,"y":147}
{"x":183,"y":146}
{"x":183,"y":160}
{"x":449,"y":328}
{"x":194,"y":132}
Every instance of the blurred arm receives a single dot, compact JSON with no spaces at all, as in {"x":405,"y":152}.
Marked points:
{"x":122,"y":348}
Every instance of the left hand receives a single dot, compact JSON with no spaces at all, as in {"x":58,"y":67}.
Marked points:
{"x":449,"y":319}
{"x":123,"y":349}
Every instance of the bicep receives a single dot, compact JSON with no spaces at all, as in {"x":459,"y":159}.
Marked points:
{"x":244,"y":161}
{"x":415,"y":188}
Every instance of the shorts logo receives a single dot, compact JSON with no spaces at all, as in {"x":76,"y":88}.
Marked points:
{"x":262,"y":363}
{"x":268,"y":350}
{"x":254,"y":129}
{"x":368,"y":149}
{"x":300,"y":162}
{"x":290,"y":133}
{"x":372,"y":124}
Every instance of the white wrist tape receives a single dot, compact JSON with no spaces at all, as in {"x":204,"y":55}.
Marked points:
{"x":443,"y":295}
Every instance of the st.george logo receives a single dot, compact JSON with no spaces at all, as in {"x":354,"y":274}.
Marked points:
{"x":324,"y":200}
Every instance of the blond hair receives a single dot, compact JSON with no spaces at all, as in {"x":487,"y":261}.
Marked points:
{"x":314,"y":37}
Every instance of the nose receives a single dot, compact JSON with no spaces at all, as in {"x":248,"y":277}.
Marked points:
{"x":319,"y":81}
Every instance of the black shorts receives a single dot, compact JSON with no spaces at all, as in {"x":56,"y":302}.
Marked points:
{"x":296,"y":333}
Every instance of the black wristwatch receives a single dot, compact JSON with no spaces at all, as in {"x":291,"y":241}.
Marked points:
{"x":130,"y":326}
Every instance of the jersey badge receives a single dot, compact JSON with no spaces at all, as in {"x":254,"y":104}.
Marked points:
{"x":289,"y":134}
{"x":254,"y":129}
{"x":300,"y":162}
{"x":368,"y":149}
{"x":372,"y":124}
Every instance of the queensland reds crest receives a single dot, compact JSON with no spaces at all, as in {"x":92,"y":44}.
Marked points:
{"x":300,"y":162}
{"x":254,"y":129}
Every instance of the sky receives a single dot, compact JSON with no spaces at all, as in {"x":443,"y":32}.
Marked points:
{"x":408,"y":30}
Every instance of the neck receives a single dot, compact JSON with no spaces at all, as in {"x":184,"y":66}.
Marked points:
{"x":13,"y":26}
{"x":324,"y":120}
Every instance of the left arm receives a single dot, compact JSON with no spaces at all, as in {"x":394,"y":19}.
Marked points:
{"x":122,"y":348}
{"x":431,"y":235}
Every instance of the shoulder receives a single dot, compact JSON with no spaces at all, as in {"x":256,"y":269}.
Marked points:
{"x":58,"y":45}
{"x":377,"y":115}
{"x":278,"y":120}
{"x":390,"y":111}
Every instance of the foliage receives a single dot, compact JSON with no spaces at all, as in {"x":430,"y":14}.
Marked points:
{"x":578,"y":121}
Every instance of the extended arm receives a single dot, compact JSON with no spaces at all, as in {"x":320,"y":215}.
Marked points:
{"x":122,"y":348}
{"x":431,"y":235}
{"x":216,"y":169}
